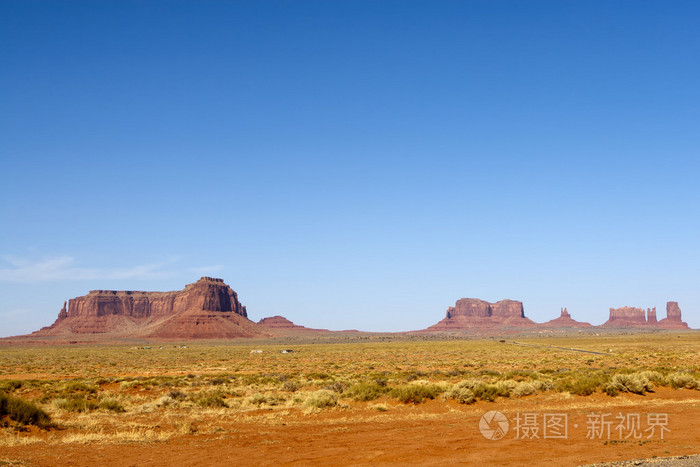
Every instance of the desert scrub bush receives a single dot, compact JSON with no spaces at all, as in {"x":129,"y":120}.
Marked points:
{"x":219,"y":380}
{"x":635,"y":383}
{"x":524,"y":389}
{"x":519,"y":375}
{"x":10,"y":385}
{"x":610,"y":389}
{"x":542,"y":385}
{"x":486,"y":391}
{"x":256,"y":399}
{"x":23,"y":412}
{"x":208,"y":400}
{"x":655,"y":377}
{"x":578,"y":385}
{"x":76,"y":403}
{"x":78,"y":387}
{"x":416,"y":393}
{"x":679,"y":380}
{"x":318,"y":376}
{"x":337,"y":386}
{"x":461,"y":395}
{"x":379,"y":407}
{"x":291,"y":386}
{"x":111,"y":404}
{"x":321,"y":399}
{"x":99,"y":381}
{"x":266,"y":399}
{"x":177,"y":395}
{"x":365,"y":391}
{"x":165,"y":401}
{"x":130,"y":384}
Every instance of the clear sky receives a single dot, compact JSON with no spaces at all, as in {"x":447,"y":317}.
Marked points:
{"x":352,"y":165}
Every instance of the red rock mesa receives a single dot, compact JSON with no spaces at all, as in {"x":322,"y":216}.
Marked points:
{"x":472,"y":313}
{"x":636,"y":317}
{"x":206,"y":309}
{"x":566,"y":321}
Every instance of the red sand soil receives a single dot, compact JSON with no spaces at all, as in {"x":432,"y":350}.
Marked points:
{"x":434,"y":433}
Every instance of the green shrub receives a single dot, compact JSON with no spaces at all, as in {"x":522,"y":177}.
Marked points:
{"x":291,"y":386}
{"x":316,"y":376}
{"x":321,"y":399}
{"x":112,"y":405}
{"x":380,"y":407}
{"x":257,"y":399}
{"x":524,"y":389}
{"x":487,"y":391}
{"x":635,"y":383}
{"x":655,"y":377}
{"x":365,"y":391}
{"x":541,"y":386}
{"x":336,"y":386}
{"x":177,"y":395}
{"x":10,"y":385}
{"x":519,"y":375}
{"x":211,"y":400}
{"x":610,"y":389}
{"x":680,"y":380}
{"x":504,"y":388}
{"x":580,"y":385}
{"x":23,"y":412}
{"x":416,"y":393}
{"x":75,"y":404}
{"x":461,"y":395}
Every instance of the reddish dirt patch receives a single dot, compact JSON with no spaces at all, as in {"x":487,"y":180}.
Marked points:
{"x":433,"y":433}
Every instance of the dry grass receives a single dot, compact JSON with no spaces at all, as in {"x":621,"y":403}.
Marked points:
{"x":113,"y":393}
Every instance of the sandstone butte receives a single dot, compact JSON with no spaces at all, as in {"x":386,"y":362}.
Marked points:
{"x":210,"y":309}
{"x":636,"y":317}
{"x":206,"y":309}
{"x":565,"y":321}
{"x":282,"y":324}
{"x":472,"y":313}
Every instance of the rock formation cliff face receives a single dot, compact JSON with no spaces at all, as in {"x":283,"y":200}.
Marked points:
{"x":635,"y":317}
{"x":651,"y":316}
{"x":626,"y":316}
{"x":208,"y":308}
{"x":472,"y":313}
{"x":279,"y":322}
{"x":565,"y":321}
{"x":673,"y":318}
{"x":206,"y":294}
{"x":281,"y":326}
{"x":475,"y":308}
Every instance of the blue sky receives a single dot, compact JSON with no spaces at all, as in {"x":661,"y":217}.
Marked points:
{"x":352,"y":165}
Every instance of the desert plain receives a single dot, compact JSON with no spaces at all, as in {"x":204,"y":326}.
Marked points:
{"x":566,"y":399}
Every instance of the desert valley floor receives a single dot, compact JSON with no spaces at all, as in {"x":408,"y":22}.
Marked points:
{"x":355,"y":399}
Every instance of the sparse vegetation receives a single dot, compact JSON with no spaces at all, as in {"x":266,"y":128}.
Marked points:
{"x":416,"y":393}
{"x":321,"y":399}
{"x":635,"y":383}
{"x":204,"y":384}
{"x":365,"y":391}
{"x":23,"y":412}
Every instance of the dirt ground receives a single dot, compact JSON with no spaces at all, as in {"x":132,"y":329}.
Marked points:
{"x":242,"y":403}
{"x":434,"y":433}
